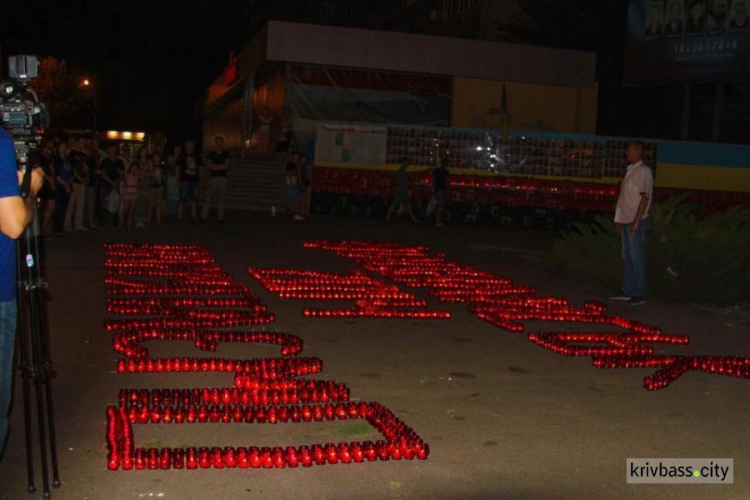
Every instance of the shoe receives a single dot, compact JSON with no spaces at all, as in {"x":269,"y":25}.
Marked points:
{"x":620,"y":296}
{"x":636,"y":301}
{"x":82,"y":228}
{"x":439,"y":224}
{"x":298,"y":217}
{"x":93,"y":226}
{"x":221,"y":221}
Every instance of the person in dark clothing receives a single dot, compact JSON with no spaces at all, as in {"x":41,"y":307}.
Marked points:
{"x":440,"y":182}
{"x":63,"y":186}
{"x":188,"y":179}
{"x":218,"y":165}
{"x":79,"y":180}
{"x":401,"y":200}
{"x":48,"y":193}
{"x":111,"y":170}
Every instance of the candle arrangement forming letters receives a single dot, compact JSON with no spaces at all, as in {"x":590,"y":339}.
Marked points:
{"x":179,"y":293}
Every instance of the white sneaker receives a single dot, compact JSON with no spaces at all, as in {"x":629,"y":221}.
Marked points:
{"x":298,"y":217}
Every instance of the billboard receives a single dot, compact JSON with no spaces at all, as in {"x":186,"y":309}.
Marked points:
{"x":676,"y":41}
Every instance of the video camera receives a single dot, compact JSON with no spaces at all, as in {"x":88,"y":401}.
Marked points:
{"x":22,"y":115}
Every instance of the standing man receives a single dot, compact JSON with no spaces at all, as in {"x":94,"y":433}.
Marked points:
{"x":80,"y":179}
{"x":218,"y":166}
{"x":112,"y":170}
{"x":631,"y":217}
{"x":440,"y":182}
{"x":188,"y":178}
{"x":15,"y":215}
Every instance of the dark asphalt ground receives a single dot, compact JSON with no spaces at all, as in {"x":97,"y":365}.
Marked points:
{"x":504,"y":418}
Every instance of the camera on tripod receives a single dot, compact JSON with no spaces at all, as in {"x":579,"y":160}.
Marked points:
{"x":22,"y":115}
{"x":24,"y":118}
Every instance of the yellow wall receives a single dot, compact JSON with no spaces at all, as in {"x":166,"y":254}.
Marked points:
{"x":560,"y":109}
{"x":702,"y":177}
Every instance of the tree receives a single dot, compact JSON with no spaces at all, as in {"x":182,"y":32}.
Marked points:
{"x":59,"y":92}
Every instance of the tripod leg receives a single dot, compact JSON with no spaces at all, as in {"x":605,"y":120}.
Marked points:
{"x":36,"y":352}
{"x":24,"y":367}
{"x":39,"y":384}
{"x":46,"y":364}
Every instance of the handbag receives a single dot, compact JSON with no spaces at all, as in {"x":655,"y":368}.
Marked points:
{"x":113,"y":202}
{"x":431,"y":206}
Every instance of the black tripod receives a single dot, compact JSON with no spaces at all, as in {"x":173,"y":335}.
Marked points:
{"x":34,"y":360}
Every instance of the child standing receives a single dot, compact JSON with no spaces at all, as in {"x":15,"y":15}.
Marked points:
{"x":130,"y":194}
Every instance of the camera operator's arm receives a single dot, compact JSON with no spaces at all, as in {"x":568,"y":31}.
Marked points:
{"x":15,"y":212}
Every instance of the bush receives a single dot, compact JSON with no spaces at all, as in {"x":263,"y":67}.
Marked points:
{"x":688,"y":258}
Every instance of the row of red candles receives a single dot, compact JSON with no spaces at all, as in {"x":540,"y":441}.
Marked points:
{"x":128,"y":343}
{"x":401,"y":442}
{"x":292,"y":391}
{"x":261,"y":414}
{"x":266,"y":368}
{"x":508,"y":305}
{"x":372,"y":298}
{"x":263,"y":387}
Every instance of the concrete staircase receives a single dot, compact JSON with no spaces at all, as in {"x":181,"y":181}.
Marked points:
{"x":255,"y":185}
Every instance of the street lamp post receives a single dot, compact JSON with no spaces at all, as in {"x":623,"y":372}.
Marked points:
{"x":86,"y":83}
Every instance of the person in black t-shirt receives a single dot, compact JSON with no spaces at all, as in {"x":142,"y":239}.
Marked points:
{"x":188,"y":179}
{"x":218,"y":168}
{"x":80,"y":179}
{"x":111,"y":170}
{"x":440,"y":183}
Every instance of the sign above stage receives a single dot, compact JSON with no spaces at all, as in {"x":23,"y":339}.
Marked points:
{"x":353,"y":145}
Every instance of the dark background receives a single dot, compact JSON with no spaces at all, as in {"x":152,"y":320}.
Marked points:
{"x":151,"y":61}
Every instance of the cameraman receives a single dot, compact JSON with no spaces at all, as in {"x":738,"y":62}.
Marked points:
{"x":15,"y":215}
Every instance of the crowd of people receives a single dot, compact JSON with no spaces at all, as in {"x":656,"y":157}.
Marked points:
{"x":86,"y":187}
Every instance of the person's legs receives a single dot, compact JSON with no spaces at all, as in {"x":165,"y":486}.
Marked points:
{"x":306,"y":200}
{"x":61,"y":207}
{"x":212,"y":189}
{"x":79,"y":192}
{"x":391,"y":209}
{"x":159,"y":203}
{"x":407,"y":204}
{"x":440,"y":201}
{"x":193,"y":195}
{"x":221,"y":191}
{"x":69,"y":209}
{"x":47,"y":216}
{"x":638,"y":255}
{"x":8,"y":313}
{"x":626,"y":239}
{"x":91,"y":205}
{"x":183,"y":200}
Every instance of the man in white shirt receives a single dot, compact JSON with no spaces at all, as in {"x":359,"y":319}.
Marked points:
{"x":631,"y":218}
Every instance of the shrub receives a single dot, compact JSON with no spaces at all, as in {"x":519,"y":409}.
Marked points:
{"x":688,"y":258}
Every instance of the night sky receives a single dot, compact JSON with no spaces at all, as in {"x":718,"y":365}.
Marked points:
{"x":150,"y":60}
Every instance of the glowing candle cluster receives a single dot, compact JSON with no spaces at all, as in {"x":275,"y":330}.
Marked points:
{"x":128,"y":342}
{"x":497,"y":300}
{"x":178,"y":293}
{"x":372,"y":298}
{"x":400,"y":442}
